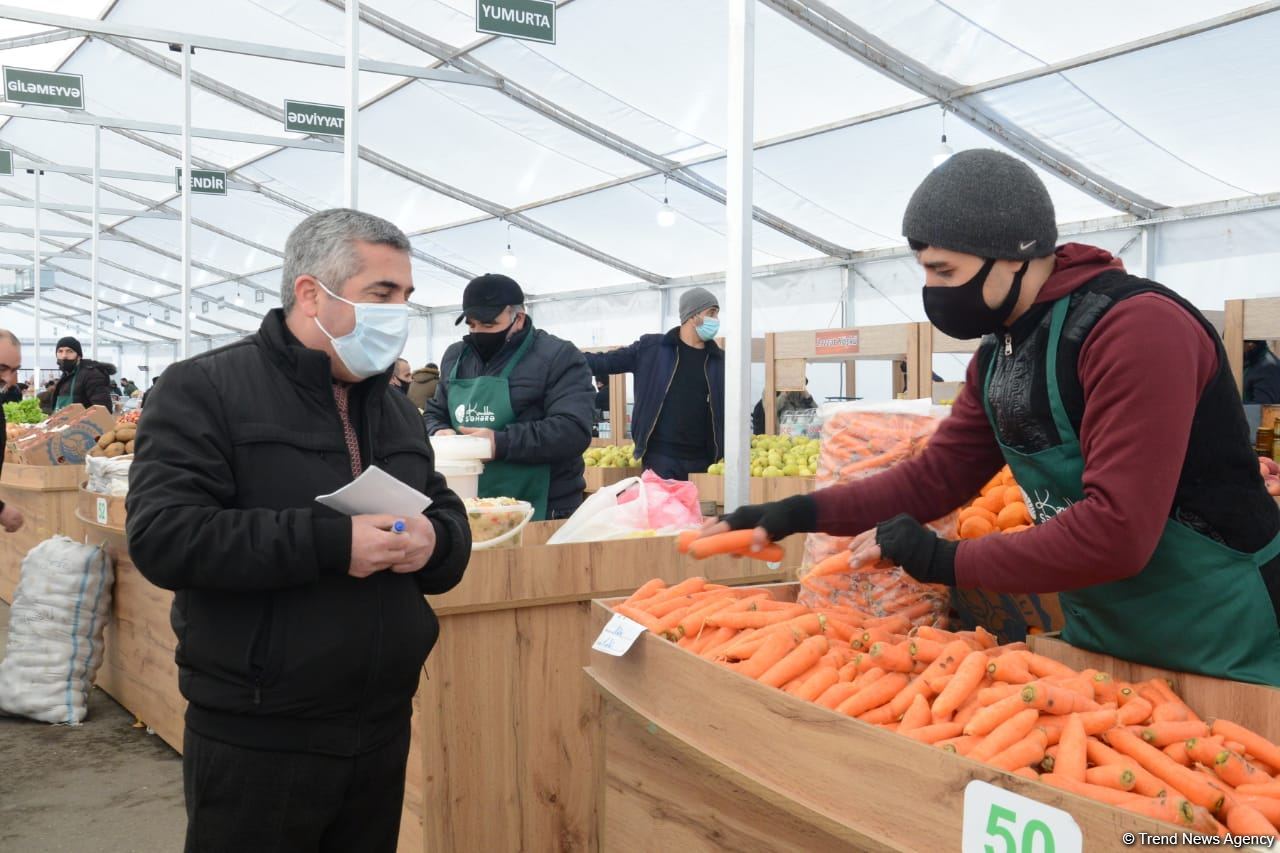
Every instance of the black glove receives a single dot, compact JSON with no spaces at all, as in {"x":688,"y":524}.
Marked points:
{"x":926,"y":557}
{"x":796,"y":514}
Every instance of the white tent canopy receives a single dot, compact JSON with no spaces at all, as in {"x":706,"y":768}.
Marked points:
{"x":1153,"y":123}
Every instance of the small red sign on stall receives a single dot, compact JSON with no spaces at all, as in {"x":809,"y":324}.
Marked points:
{"x":836,"y":342}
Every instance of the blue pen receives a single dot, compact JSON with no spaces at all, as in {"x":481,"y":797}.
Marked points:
{"x":398,"y":527}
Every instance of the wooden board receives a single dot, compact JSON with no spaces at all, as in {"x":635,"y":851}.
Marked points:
{"x":46,"y":496}
{"x":845,"y":778}
{"x":1233,"y":339}
{"x":874,"y":342}
{"x":763,"y":489}
{"x":598,"y":478}
{"x":107,"y":510}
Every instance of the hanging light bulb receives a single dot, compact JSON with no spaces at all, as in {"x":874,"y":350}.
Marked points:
{"x":151,"y":321}
{"x":943,"y":151}
{"x":509,"y":260}
{"x":239,"y":300}
{"x":666,"y":213}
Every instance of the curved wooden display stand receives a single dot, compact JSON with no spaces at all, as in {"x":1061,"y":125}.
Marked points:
{"x":46,"y":497}
{"x":699,"y":758}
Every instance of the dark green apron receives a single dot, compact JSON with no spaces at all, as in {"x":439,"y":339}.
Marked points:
{"x":70,"y":397}
{"x":484,"y":402}
{"x":1197,"y":606}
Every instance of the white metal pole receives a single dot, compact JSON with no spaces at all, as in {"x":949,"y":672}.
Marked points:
{"x":736,"y":312}
{"x":35,"y":275}
{"x":351,"y":120}
{"x":185,"y":342}
{"x":93,"y":265}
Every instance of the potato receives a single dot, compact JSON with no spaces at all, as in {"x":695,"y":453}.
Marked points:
{"x":116,"y":449}
{"x":128,"y":448}
{"x":107,"y":439}
{"x":126,"y":434}
{"x":97,"y":451}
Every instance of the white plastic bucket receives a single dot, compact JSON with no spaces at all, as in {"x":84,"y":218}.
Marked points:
{"x":462,"y":476}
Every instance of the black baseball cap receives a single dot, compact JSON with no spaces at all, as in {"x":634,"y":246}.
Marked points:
{"x":487,"y":296}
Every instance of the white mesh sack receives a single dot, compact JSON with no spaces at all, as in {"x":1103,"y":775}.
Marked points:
{"x":60,"y":607}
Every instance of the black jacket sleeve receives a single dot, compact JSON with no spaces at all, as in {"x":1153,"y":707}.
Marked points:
{"x":435,"y":415}
{"x":1262,"y":384}
{"x":448,"y":515}
{"x":183,"y":531}
{"x":95,"y":388}
{"x":757,"y":418}
{"x":568,"y":407}
{"x":616,"y":361}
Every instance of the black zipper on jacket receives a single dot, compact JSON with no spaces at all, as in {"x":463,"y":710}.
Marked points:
{"x":261,"y":649}
{"x":706,"y":373}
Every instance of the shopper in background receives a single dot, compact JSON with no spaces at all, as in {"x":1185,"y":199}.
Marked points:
{"x":401,"y":376}
{"x":423,"y":385}
{"x":678,"y":419}
{"x":83,"y":381}
{"x":787,"y":401}
{"x":128,"y":387}
{"x":10,"y":363}
{"x":1149,"y":508}
{"x":302,"y":632}
{"x":525,"y":391}
{"x":602,"y":394}
{"x":46,"y":396}
{"x":1261,"y":373}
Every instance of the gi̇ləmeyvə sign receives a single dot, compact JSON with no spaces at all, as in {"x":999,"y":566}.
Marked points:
{"x":46,"y":88}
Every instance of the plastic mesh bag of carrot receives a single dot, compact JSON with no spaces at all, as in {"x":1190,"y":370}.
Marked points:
{"x":861,"y":440}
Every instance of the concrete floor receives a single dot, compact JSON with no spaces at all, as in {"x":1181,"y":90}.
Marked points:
{"x":101,"y":787}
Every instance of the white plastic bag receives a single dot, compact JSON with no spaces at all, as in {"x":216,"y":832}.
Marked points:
{"x":108,"y":475}
{"x":597,"y":518}
{"x":60,"y":608}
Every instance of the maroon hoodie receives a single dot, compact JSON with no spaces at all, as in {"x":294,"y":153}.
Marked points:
{"x":1143,"y":368}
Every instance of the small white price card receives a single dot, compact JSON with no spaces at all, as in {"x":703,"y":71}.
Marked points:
{"x":999,"y":821}
{"x":618,"y":636}
{"x":102,"y":510}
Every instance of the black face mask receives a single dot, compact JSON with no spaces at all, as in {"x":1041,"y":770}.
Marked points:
{"x":66,"y":365}
{"x":962,"y":313}
{"x":488,"y":344}
{"x":403,"y":389}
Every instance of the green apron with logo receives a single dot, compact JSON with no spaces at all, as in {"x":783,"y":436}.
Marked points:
{"x":68,"y":398}
{"x":484,"y":402}
{"x":1197,"y":606}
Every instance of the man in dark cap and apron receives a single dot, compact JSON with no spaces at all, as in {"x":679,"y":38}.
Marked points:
{"x":1151,"y":519}
{"x":526,"y":391}
{"x":678,"y":420}
{"x":83,"y":381}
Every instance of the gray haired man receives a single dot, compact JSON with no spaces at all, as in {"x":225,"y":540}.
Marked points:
{"x":678,"y":420}
{"x":301,"y":631}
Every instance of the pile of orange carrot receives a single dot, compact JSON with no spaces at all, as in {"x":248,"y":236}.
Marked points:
{"x":1135,"y":746}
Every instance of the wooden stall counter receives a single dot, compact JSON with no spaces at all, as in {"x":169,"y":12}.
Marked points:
{"x":731,"y":764}
{"x":599,"y":478}
{"x":509,"y":732}
{"x":763,"y":489}
{"x":46,"y":497}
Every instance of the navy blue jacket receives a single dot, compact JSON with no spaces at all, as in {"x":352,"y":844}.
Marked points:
{"x":653,"y":361}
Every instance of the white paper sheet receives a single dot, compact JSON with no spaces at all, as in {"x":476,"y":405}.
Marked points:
{"x":375,"y":492}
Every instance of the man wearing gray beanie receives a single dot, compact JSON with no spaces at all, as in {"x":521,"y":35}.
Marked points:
{"x":1111,"y":400}
{"x":678,"y":420}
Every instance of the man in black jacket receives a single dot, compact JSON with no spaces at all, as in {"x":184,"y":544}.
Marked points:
{"x":83,"y":381}
{"x":1261,"y":373}
{"x":526,"y":391}
{"x":301,"y":632}
{"x":10,"y":363}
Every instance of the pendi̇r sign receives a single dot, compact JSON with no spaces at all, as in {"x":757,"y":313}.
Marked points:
{"x":320,"y":119}
{"x":28,"y":86}
{"x":6,"y":161}
{"x":203,"y":181}
{"x":531,"y":20}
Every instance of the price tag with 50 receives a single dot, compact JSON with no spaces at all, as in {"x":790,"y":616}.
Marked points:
{"x":999,"y":821}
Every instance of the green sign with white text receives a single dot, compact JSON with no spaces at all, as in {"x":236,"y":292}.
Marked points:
{"x":27,"y":86}
{"x":306,"y":117}
{"x":203,"y":181}
{"x":6,"y":161}
{"x":531,"y":20}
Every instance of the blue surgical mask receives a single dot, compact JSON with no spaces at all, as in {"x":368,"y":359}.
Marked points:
{"x":708,"y":328}
{"x":377,"y":339}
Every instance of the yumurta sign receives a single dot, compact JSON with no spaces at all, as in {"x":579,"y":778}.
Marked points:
{"x":531,"y":20}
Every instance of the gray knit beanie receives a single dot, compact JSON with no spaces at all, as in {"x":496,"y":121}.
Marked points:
{"x":985,"y":203}
{"x":695,"y":301}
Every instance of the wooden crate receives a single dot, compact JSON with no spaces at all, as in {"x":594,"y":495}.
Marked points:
{"x":509,"y":731}
{"x":598,"y":478}
{"x":103,"y":510}
{"x":763,"y":489}
{"x":730,"y":764}
{"x":46,"y":496}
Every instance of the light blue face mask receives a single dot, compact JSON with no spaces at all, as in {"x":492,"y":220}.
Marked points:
{"x":708,"y":328}
{"x":377,"y":339}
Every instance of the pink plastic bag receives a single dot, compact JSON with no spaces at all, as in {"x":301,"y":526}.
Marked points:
{"x":669,"y":503}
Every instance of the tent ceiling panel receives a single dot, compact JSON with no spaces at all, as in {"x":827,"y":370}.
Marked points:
{"x":22,"y":243}
{"x":25,"y":217}
{"x":495,"y":148}
{"x":434,"y":286}
{"x":315,"y":178}
{"x":144,"y":260}
{"x":224,"y":154}
{"x":623,"y":221}
{"x":450,"y":21}
{"x":543,"y":266}
{"x":72,"y":145}
{"x":206,"y":247}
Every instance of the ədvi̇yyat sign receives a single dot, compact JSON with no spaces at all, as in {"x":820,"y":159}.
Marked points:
{"x":531,"y":20}
{"x":319,"y":119}
{"x":28,"y":86}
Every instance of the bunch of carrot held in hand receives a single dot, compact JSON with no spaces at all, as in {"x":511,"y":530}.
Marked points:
{"x":1134,"y":746}
{"x":736,"y":543}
